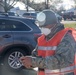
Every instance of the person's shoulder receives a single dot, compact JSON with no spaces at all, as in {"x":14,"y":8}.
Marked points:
{"x":42,"y":37}
{"x":69,"y":35}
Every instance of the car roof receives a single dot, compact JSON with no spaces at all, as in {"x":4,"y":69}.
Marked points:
{"x":15,"y":17}
{"x":30,"y":22}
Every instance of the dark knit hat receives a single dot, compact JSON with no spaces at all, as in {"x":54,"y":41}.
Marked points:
{"x":46,"y":17}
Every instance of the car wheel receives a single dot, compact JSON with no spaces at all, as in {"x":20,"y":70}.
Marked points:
{"x":12,"y":59}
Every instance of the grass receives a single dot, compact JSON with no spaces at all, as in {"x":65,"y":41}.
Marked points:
{"x":71,"y":25}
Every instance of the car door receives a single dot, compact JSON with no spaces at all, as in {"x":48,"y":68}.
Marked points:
{"x":6,"y":37}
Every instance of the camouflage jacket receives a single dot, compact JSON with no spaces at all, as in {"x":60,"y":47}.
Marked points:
{"x":64,"y":55}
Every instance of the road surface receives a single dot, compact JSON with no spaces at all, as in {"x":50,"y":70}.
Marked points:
{"x":5,"y":71}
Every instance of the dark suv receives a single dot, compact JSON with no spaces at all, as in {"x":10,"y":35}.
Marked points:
{"x":17,"y":38}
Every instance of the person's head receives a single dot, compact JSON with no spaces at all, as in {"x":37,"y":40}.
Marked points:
{"x":47,"y":21}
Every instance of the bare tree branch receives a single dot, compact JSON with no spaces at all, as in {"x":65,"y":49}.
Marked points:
{"x":2,"y":4}
{"x":13,"y":3}
{"x":8,"y":4}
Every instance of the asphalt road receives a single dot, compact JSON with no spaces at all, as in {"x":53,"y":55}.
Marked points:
{"x":5,"y":71}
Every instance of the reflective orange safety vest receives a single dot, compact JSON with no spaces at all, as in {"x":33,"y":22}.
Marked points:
{"x":47,"y":48}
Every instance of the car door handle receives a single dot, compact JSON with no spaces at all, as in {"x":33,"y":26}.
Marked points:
{"x":6,"y":36}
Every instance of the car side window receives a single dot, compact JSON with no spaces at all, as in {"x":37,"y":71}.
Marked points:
{"x":19,"y":26}
{"x":4,"y":25}
{"x":10,"y":25}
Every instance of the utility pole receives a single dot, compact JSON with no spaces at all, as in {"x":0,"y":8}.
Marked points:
{"x":26,"y":5}
{"x":46,"y":4}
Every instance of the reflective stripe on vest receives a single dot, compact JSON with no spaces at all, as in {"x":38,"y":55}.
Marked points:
{"x":47,"y":48}
{"x":67,"y":69}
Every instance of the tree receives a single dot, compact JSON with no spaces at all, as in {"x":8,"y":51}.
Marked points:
{"x":47,"y":4}
{"x":27,"y":3}
{"x":37,"y":6}
{"x":54,"y":4}
{"x":8,"y":4}
{"x":75,"y":3}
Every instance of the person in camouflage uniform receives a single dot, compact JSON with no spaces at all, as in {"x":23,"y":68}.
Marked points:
{"x":64,"y":53}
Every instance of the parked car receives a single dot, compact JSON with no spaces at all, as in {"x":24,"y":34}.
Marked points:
{"x":69,"y":15}
{"x":59,"y":17}
{"x":31,"y":15}
{"x":16,"y":39}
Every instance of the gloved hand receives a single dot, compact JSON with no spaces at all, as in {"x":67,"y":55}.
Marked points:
{"x":26,"y":61}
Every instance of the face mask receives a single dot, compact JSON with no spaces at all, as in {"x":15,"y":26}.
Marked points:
{"x":45,"y":31}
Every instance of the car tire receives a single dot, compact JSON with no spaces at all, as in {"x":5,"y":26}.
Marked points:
{"x":11,"y":60}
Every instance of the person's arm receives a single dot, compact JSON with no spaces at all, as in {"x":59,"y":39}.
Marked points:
{"x":63,"y":57}
{"x":27,"y":60}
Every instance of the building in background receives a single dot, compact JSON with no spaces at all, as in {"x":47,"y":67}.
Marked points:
{"x":20,"y":8}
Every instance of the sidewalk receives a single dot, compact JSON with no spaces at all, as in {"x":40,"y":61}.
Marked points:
{"x":68,"y":22}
